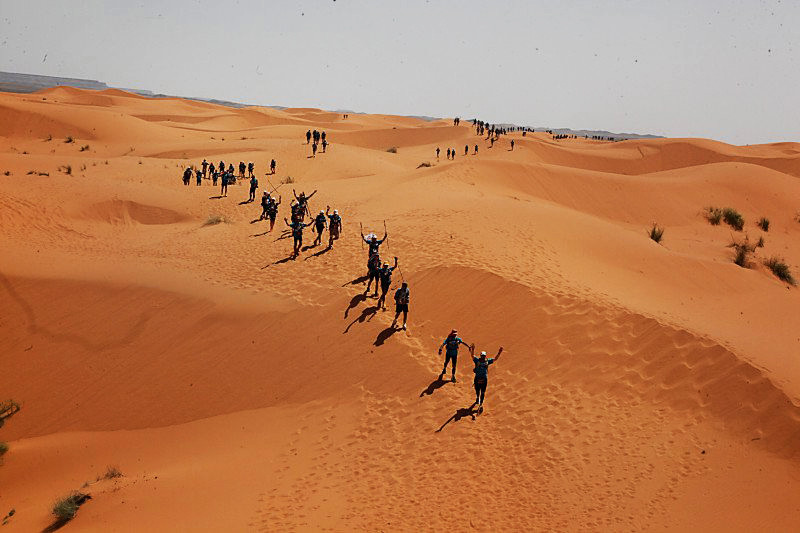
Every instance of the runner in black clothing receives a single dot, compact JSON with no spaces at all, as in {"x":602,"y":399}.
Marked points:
{"x":452,"y":342}
{"x":448,"y":153}
{"x":250,"y":167}
{"x":272,"y":166}
{"x":302,"y":200}
{"x":253,"y":187}
{"x":476,"y":149}
{"x":241,"y":169}
{"x":314,"y":150}
{"x":481,"y":371}
{"x":187,"y":176}
{"x":297,"y":234}
{"x":512,"y":145}
{"x":224,"y":186}
{"x":385,"y":275}
{"x":319,"y":225}
{"x":334,"y":226}
{"x":466,"y":149}
{"x":266,"y":199}
{"x":213,"y":171}
{"x":373,"y":272}
{"x":401,"y":298}
{"x":374,"y":243}
{"x":437,"y":153}
{"x":205,"y":167}
{"x":324,"y":146}
{"x":308,"y":136}
{"x":272,"y":212}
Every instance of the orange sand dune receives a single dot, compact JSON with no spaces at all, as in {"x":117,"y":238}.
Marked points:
{"x":162,"y":329}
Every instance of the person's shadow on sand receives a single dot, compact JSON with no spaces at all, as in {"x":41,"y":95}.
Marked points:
{"x":461,"y":413}
{"x":367,"y":314}
{"x":360,"y":279}
{"x":357,"y":299}
{"x":279,"y":262}
{"x":435,"y":384}
{"x":317,"y":254}
{"x":214,"y":197}
{"x":384,"y":335}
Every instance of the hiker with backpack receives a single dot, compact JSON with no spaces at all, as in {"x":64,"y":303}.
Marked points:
{"x":272,"y":165}
{"x":373,"y":242}
{"x":334,"y":226}
{"x":401,"y":298}
{"x":481,"y":371}
{"x":297,"y":228}
{"x":272,"y":211}
{"x":302,"y":201}
{"x":385,"y":276}
{"x":373,"y":272}
{"x":253,"y":187}
{"x":320,"y":222}
{"x":451,"y":344}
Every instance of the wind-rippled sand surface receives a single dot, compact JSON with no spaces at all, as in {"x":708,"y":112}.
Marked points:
{"x":643,"y":386}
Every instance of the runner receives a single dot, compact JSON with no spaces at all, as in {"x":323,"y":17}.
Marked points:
{"x":297,"y":235}
{"x":199,"y":176}
{"x":452,"y":343}
{"x":253,"y":187}
{"x":448,"y":153}
{"x":205,"y":167}
{"x":272,"y":212}
{"x":334,"y":226}
{"x":224,"y":186}
{"x":373,"y":272}
{"x":241,"y":169}
{"x":482,"y":375}
{"x":374,"y":243}
{"x":308,"y":136}
{"x":324,"y":145}
{"x":266,"y":199}
{"x":512,"y":145}
{"x":302,"y":200}
{"x":401,"y":298}
{"x":319,"y":225}
{"x":250,"y":167}
{"x":476,"y":149}
{"x":272,"y":165}
{"x":213,"y":171}
{"x":437,"y":153}
{"x":314,"y":150}
{"x":385,"y":275}
{"x":466,"y":149}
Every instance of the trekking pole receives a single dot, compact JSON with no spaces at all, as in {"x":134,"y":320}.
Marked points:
{"x":389,"y":250}
{"x":360,"y":225}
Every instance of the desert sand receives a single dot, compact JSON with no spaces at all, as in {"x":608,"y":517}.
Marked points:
{"x":644,"y":386}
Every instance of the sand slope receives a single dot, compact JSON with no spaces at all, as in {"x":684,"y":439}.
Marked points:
{"x":644,"y":386}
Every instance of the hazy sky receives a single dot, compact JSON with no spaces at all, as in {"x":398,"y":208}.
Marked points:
{"x":728,"y":70}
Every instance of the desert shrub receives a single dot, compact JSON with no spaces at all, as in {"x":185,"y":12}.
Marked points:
{"x":780,"y":269}
{"x":7,"y":173}
{"x":8,"y":408}
{"x":49,"y":138}
{"x":66,"y":508}
{"x":733,"y":218}
{"x":713,"y":215}
{"x":28,"y":173}
{"x":43,"y":173}
{"x":69,"y":139}
{"x":742,"y":252}
{"x":656,"y":232}
{"x":140,"y":161}
{"x":425,"y":164}
{"x":761,"y":242}
{"x":392,"y":150}
{"x":763,"y":223}
{"x":213,"y":220}
{"x":84,"y":148}
{"x":3,"y":448}
{"x":83,"y":167}
{"x":287,"y":180}
{"x":243,"y":139}
{"x":112,"y":472}
{"x":66,"y":169}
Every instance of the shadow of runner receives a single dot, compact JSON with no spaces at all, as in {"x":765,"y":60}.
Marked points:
{"x":317,"y":254}
{"x":356,"y":281}
{"x":458,"y":415}
{"x":357,"y":299}
{"x":384,"y":335}
{"x":367,"y":314}
{"x":279,"y":262}
{"x":435,"y":384}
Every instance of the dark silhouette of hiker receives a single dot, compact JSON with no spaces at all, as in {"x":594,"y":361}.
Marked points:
{"x":324,"y":145}
{"x":314,"y":150}
{"x":224,"y":186}
{"x":466,"y":149}
{"x":481,"y":371}
{"x":297,"y":234}
{"x":452,"y":342}
{"x":253,"y":187}
{"x":334,"y":226}
{"x":402,"y":296}
{"x":385,"y":276}
{"x":308,"y":137}
{"x":250,"y":167}
{"x":205,"y":167}
{"x":272,"y":166}
{"x":199,"y":176}
{"x":476,"y":149}
{"x":512,"y":145}
{"x":437,"y":153}
{"x":448,"y":153}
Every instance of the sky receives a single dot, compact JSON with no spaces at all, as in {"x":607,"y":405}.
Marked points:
{"x":727,"y":70}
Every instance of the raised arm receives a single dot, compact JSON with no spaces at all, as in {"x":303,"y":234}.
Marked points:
{"x":395,"y":262}
{"x":327,"y":209}
{"x":295,"y":195}
{"x":312,"y":194}
{"x":496,"y":357}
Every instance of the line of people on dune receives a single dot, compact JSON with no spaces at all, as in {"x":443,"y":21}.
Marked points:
{"x":225,"y":176}
{"x":320,"y":138}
